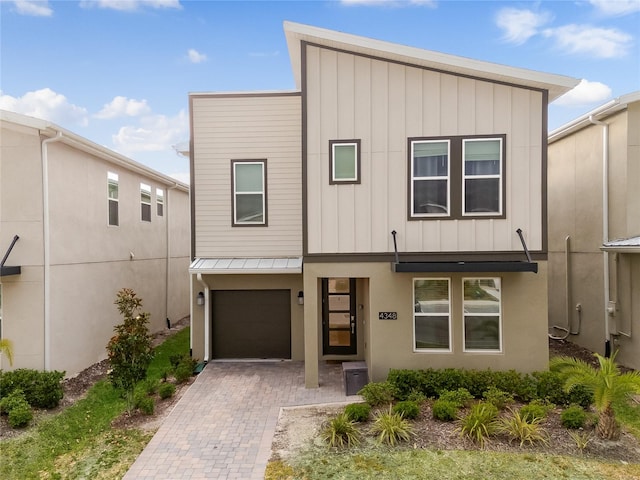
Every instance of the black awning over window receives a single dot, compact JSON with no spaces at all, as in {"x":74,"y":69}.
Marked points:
{"x":445,"y":267}
{"x":6,"y":271}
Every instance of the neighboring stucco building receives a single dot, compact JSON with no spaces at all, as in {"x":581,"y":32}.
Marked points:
{"x":374,"y":213}
{"x":594,"y":230}
{"x":89,"y":222}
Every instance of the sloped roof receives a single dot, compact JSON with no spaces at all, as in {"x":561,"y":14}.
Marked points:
{"x":623,"y":245}
{"x":296,"y":33}
{"x":246,"y":265}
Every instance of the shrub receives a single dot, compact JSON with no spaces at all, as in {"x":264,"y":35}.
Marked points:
{"x":535,"y":409}
{"x":41,"y":389}
{"x":358,"y":412}
{"x":392,"y":428}
{"x":150,"y":385}
{"x":460,"y":397}
{"x":480,"y":423}
{"x":20,"y":415}
{"x":145,"y":404}
{"x":497,"y":397}
{"x":417,"y":396}
{"x":407,"y":382}
{"x":444,"y":410}
{"x":183,"y":370}
{"x":550,"y":387}
{"x":166,"y":390}
{"x":14,"y":399}
{"x":378,"y":393}
{"x":573,"y":417}
{"x":525,"y":430}
{"x":407,"y":409}
{"x":340,"y":431}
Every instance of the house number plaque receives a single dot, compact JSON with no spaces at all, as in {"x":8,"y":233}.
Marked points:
{"x":387,"y":315}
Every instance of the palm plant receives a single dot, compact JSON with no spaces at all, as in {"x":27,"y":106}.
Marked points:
{"x":6,"y":348}
{"x":607,"y":383}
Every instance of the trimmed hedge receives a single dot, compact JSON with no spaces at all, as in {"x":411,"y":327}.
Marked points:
{"x":41,"y":389}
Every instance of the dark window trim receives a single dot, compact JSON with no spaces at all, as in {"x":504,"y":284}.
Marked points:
{"x":113,"y":201}
{"x":333,"y":181}
{"x":456,"y":177}
{"x":233,"y":193}
{"x":145,"y":207}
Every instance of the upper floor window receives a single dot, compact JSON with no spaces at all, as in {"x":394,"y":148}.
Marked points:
{"x":145,"y":202}
{"x":249,"y":181}
{"x":457,"y":177}
{"x":112,"y":198}
{"x":159,"y":202}
{"x":344,"y":161}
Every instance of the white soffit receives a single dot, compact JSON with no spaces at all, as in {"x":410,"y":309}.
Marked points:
{"x":557,"y":85}
{"x":625,"y":245}
{"x":227,"y":266}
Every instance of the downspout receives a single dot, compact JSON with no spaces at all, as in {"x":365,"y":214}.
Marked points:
{"x":47,"y":248}
{"x":207,"y":316}
{"x":605,"y":228}
{"x":568,"y":298}
{"x":168,"y":259}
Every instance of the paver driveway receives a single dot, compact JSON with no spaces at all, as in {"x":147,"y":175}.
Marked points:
{"x":223,"y":426}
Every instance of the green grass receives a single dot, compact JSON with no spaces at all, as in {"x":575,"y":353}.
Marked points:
{"x":79,"y":441}
{"x":447,"y":465}
{"x":629,"y":416}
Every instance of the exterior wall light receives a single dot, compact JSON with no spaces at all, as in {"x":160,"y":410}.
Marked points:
{"x":200,"y":299}
{"x":300,"y":298}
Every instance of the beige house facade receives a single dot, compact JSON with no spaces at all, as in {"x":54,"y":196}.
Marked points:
{"x":594,"y":230}
{"x":392,"y":210}
{"x":84,"y":222}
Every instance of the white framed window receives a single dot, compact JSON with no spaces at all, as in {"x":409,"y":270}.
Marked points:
{"x":112,"y":199}
{"x":145,"y":202}
{"x":432,"y":315}
{"x":249,"y":183}
{"x":482,"y":176}
{"x":482,"y":307}
{"x":159,"y":202}
{"x":430,"y":174}
{"x":344,"y":161}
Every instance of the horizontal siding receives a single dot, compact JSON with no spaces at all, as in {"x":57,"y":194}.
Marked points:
{"x":242,"y":128}
{"x":383,"y":104}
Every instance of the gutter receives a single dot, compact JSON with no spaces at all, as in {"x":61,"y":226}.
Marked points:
{"x":47,"y":247}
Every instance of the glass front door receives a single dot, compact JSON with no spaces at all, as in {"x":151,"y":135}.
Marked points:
{"x":339,"y":316}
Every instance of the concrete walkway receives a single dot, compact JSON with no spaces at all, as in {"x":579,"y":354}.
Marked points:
{"x":223,"y":426}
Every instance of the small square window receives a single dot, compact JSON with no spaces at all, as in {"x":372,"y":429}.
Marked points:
{"x":344,"y":161}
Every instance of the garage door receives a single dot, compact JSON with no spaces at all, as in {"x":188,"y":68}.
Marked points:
{"x":251,"y":324}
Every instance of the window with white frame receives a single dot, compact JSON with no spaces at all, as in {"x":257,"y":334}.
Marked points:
{"x":112,"y":199}
{"x":457,"y":177}
{"x":249,"y":183}
{"x":344,"y":161}
{"x":159,"y":202}
{"x":432,"y":314}
{"x":482,"y":307}
{"x":145,"y":202}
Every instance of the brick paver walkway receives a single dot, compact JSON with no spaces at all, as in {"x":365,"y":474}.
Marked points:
{"x":223,"y":426}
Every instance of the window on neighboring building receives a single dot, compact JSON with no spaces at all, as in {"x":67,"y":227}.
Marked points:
{"x":112,"y":198}
{"x":249,"y":180}
{"x":482,"y":313}
{"x":432,"y":314}
{"x":456,"y":177}
{"x":344,"y":161}
{"x":145,"y":202}
{"x":159,"y":202}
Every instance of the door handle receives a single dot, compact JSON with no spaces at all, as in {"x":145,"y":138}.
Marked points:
{"x":353,"y":324}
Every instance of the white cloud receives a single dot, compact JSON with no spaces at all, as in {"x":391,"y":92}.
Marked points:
{"x":593,"y":41}
{"x":154,"y":133}
{"x":195,"y":56}
{"x":34,"y":8}
{"x":130,"y":5}
{"x":616,"y":7}
{"x":390,"y":3}
{"x":123,"y":107}
{"x":585,"y":93}
{"x":47,"y":105}
{"x":520,"y":25}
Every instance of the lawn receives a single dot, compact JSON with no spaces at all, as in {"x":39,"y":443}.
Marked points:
{"x":79,"y":442}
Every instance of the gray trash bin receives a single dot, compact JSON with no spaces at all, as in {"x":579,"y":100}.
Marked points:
{"x":355,"y":376}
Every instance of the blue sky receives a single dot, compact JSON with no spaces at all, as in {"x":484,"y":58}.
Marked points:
{"x":119,"y":72}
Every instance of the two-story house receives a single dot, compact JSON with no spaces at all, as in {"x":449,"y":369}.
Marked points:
{"x":78,"y":222}
{"x":594,"y":230}
{"x":392,"y":209}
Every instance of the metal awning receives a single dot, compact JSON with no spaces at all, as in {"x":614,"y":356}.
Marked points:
{"x":6,"y":271}
{"x":623,"y":245}
{"x":218,"y":266}
{"x":447,"y":267}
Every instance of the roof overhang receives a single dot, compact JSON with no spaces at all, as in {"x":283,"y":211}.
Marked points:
{"x":474,"y":267}
{"x":625,"y":245}
{"x":296,"y":33}
{"x":231,"y":266}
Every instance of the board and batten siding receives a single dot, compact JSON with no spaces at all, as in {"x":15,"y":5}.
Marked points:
{"x":247,"y":127}
{"x":382,"y":103}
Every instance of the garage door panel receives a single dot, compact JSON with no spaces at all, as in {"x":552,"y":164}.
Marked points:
{"x":251,"y":324}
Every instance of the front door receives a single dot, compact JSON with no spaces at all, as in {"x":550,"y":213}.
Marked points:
{"x":339,"y":316}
